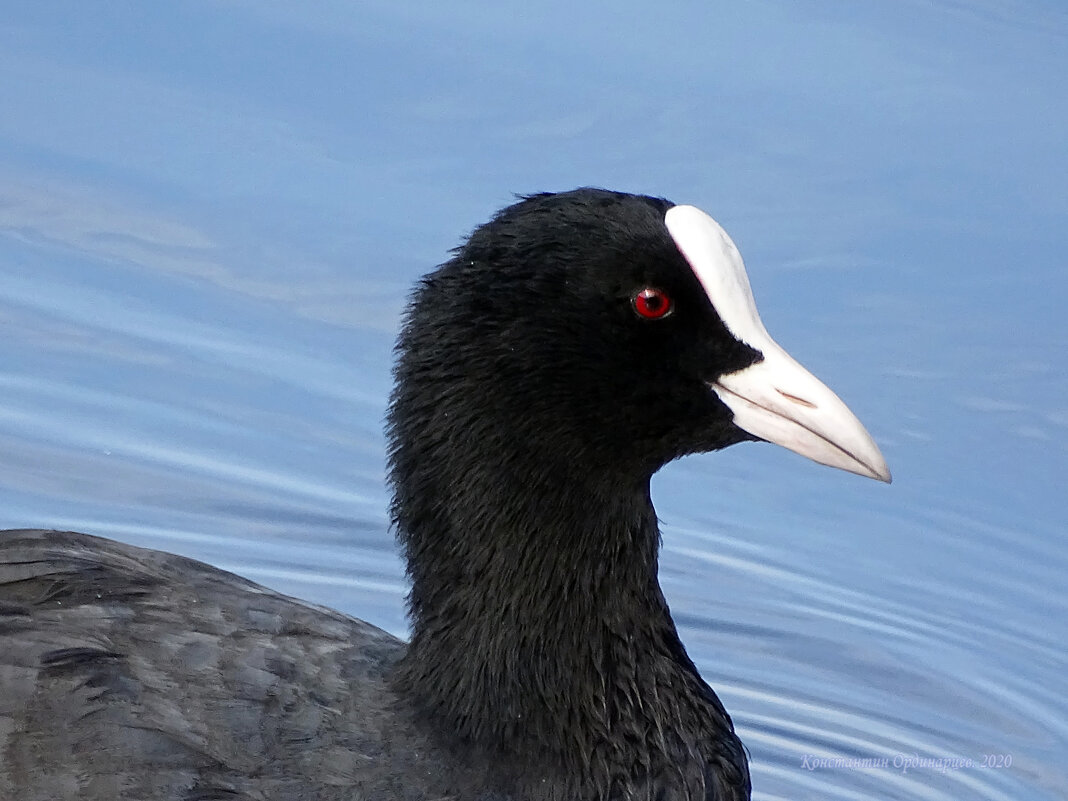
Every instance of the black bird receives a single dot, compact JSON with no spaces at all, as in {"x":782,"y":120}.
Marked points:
{"x":571,"y":347}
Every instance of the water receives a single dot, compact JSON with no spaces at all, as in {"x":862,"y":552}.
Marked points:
{"x":210,"y":215}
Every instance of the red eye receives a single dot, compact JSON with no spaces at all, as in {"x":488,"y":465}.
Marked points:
{"x":652,"y":304}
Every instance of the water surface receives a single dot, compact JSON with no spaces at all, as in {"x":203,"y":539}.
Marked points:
{"x":210,"y":215}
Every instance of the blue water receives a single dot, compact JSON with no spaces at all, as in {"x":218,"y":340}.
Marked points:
{"x":210,"y":215}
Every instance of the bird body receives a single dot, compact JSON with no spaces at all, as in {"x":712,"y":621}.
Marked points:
{"x":571,"y":347}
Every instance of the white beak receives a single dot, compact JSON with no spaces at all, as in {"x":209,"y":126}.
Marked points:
{"x":775,"y":399}
{"x":780,"y":401}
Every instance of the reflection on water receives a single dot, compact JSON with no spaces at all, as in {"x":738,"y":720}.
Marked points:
{"x":204,"y":251}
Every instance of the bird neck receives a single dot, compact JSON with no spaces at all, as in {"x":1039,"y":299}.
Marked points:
{"x":540,"y":629}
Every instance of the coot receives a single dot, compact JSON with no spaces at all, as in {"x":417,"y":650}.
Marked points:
{"x":573,"y":345}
